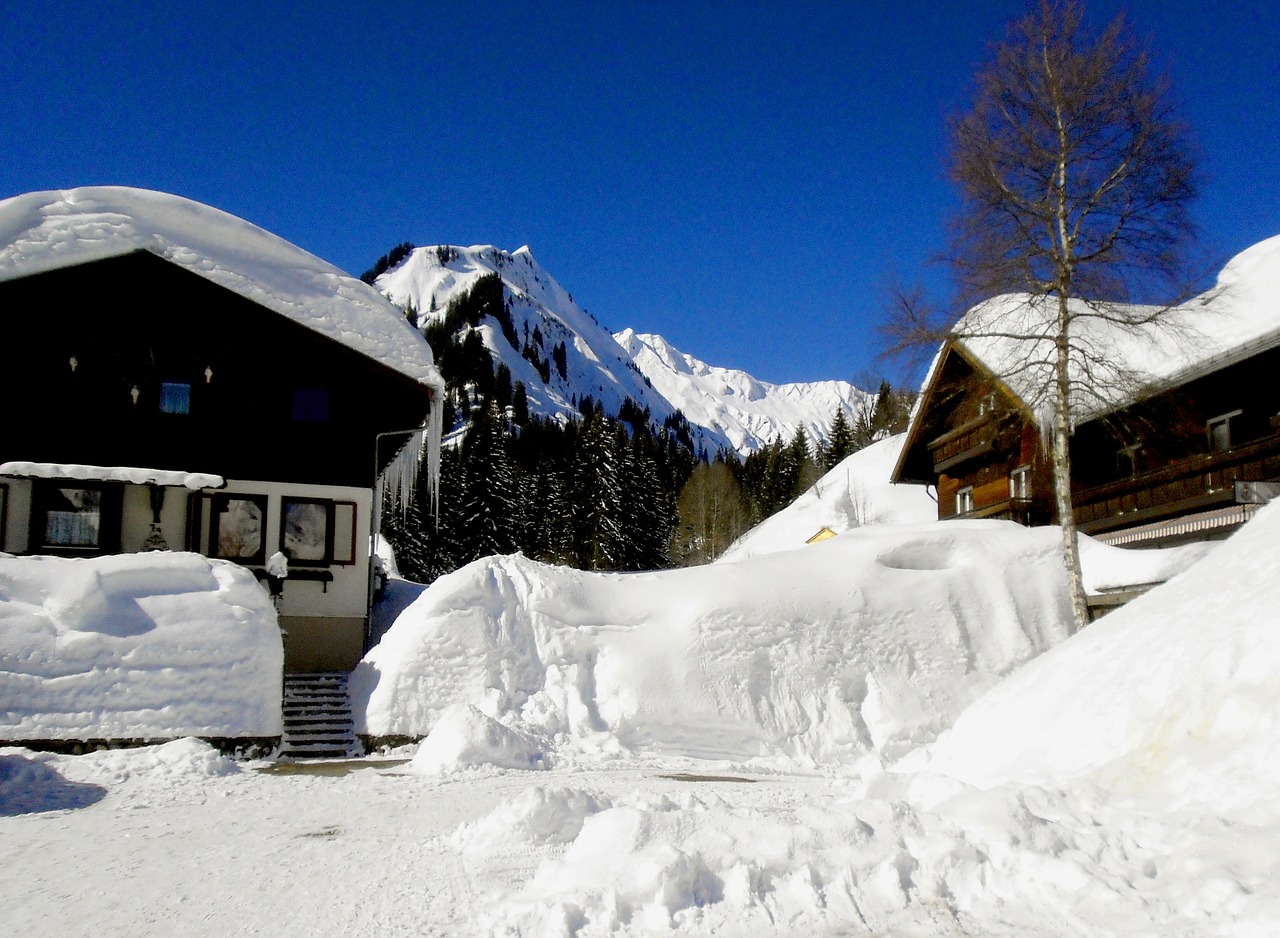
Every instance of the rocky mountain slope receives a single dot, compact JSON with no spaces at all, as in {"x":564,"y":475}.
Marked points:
{"x":561,"y":355}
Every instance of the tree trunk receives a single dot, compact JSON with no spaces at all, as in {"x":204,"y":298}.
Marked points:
{"x":1061,"y":460}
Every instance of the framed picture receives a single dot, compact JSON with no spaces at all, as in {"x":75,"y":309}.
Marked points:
{"x":306,"y":531}
{"x":239,"y":528}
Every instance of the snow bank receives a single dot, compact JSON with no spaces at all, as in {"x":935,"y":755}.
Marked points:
{"x":1114,"y":568}
{"x":1177,"y":693}
{"x":136,"y":646}
{"x":871,"y":642}
{"x":28,"y":786}
{"x":856,"y":492}
{"x":536,"y":817}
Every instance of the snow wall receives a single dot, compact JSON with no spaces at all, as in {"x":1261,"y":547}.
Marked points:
{"x":871,"y":642}
{"x":136,"y":646}
{"x":1177,"y":692}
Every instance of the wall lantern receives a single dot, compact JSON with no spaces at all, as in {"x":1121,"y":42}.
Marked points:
{"x":73,"y":363}
{"x":208,"y":374}
{"x":134,"y":393}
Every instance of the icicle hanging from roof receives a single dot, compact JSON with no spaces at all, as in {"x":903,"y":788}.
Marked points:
{"x":434,"y":434}
{"x":400,"y":478}
{"x":401,"y":475}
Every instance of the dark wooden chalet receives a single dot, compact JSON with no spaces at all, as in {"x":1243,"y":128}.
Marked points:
{"x":135,"y":360}
{"x":1189,"y":458}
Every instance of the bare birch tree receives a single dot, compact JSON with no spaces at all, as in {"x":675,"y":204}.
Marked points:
{"x":1074,"y":178}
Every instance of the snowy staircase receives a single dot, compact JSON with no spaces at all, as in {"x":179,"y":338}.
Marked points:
{"x":317,"y":718}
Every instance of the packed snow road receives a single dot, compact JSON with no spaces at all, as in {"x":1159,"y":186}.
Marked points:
{"x":178,"y":840}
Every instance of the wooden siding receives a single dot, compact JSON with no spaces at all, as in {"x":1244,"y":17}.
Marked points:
{"x":169,"y":325}
{"x":1193,"y":484}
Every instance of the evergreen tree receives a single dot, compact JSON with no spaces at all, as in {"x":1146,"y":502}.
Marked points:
{"x":839,"y":441}
{"x":597,"y":533}
{"x":520,"y":405}
{"x":489,"y":509}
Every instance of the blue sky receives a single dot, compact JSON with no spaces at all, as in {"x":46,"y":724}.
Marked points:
{"x":742,"y":178}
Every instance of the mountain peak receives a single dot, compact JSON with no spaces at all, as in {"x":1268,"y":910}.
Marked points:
{"x":727,"y":408}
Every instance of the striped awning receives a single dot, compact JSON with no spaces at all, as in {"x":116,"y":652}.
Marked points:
{"x":1227,"y":517}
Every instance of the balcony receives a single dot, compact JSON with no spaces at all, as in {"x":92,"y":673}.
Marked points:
{"x":1197,"y":483}
{"x":985,"y":434}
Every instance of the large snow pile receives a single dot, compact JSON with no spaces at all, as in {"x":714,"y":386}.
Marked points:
{"x":136,"y":646}
{"x":856,"y":492}
{"x":42,"y":231}
{"x":1178,"y":692}
{"x":871,"y":642}
{"x":1128,"y":776}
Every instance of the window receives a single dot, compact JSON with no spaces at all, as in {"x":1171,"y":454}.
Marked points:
{"x":175,"y":397}
{"x":1127,"y":461}
{"x":238,"y":528}
{"x":1220,"y":432}
{"x":1020,"y":484}
{"x":964,"y":500}
{"x":306,"y":534}
{"x":987,"y":404}
{"x":310,"y":405}
{"x":77,"y":518}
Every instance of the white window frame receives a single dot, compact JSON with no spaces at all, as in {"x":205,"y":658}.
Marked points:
{"x":1223,"y":421}
{"x":1020,"y":484}
{"x":964,"y":500}
{"x":1129,"y":453}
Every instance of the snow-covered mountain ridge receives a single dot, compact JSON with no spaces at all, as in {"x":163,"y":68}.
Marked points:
{"x":746,"y":411}
{"x":725,"y":407}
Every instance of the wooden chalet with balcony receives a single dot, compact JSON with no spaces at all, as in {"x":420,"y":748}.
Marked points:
{"x":1188,"y":455}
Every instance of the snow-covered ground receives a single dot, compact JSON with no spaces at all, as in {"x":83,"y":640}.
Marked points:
{"x":1123,"y":783}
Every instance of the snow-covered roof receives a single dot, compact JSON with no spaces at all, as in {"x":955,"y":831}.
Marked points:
{"x":1116,"y":362}
{"x":130,"y":474}
{"x":43,"y":231}
{"x":1011,"y":337}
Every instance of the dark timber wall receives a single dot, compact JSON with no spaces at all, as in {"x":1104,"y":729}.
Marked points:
{"x":139,"y":321}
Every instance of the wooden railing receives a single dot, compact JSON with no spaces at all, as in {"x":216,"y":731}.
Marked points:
{"x":1200,"y":481}
{"x":979,"y":436}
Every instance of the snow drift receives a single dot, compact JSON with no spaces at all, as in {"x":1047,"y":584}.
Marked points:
{"x":855,"y":493}
{"x":1178,"y":692}
{"x":136,"y":646}
{"x":871,"y":642}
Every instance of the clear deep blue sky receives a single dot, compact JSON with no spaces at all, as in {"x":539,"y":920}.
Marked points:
{"x":740,"y":177}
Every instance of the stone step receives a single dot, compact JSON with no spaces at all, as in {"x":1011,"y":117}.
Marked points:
{"x":317,"y":718}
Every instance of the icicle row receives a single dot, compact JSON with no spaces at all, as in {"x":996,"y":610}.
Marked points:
{"x":401,"y":475}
